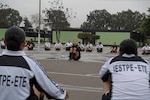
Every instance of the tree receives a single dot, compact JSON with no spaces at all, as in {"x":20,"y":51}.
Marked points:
{"x":126,"y":20}
{"x":145,"y":27}
{"x":9,"y":17}
{"x":27,"y":23}
{"x":57,"y":17}
{"x":88,"y":36}
{"x":35,"y":20}
{"x":103,"y":20}
{"x":97,"y":20}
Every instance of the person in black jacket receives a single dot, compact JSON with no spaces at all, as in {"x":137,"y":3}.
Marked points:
{"x":30,"y":45}
{"x":114,"y":48}
{"x":74,"y":53}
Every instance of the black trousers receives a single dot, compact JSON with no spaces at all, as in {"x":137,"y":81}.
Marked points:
{"x":106,"y":96}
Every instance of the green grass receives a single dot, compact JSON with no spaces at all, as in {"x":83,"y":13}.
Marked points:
{"x":108,"y":38}
{"x":2,"y":32}
{"x":67,"y":35}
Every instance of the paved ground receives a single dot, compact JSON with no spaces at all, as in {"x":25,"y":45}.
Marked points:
{"x":85,"y":56}
{"x":80,"y":78}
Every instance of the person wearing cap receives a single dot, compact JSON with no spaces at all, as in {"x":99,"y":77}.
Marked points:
{"x":21,"y":75}
{"x":126,"y":76}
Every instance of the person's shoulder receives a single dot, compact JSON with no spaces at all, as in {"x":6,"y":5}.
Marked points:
{"x":109,"y":61}
{"x":139,"y":58}
{"x":116,"y":58}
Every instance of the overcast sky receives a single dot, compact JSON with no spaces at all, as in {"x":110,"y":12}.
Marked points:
{"x":81,"y":7}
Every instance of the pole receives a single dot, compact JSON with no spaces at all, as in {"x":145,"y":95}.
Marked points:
{"x":39,"y":25}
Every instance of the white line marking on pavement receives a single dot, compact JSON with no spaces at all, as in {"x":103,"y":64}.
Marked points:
{"x":83,"y":75}
{"x":92,"y":75}
{"x":80,"y":88}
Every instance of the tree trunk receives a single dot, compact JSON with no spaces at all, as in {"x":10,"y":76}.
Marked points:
{"x":58,"y":35}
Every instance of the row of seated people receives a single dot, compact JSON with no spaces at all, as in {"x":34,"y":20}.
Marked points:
{"x":88,"y":48}
{"x":145,"y":49}
{"x":58,"y":45}
{"x":30,"y":44}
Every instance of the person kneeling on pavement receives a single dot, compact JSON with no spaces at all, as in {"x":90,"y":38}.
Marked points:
{"x":74,"y":51}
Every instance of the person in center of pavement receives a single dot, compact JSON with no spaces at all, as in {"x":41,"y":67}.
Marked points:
{"x":114,"y":48}
{"x":146,"y":49}
{"x":82,"y":48}
{"x":126,"y":76}
{"x":99,"y":47}
{"x":47,"y":45}
{"x":74,"y":53}
{"x":30,"y":45}
{"x":22,"y":76}
{"x":58,"y":46}
{"x":68,"y":45}
{"x":89,"y":47}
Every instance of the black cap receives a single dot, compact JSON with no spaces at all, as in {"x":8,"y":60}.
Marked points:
{"x":14,"y":36}
{"x":128,"y":46}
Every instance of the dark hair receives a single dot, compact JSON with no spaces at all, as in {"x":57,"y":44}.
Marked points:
{"x":128,"y":46}
{"x":14,"y":36}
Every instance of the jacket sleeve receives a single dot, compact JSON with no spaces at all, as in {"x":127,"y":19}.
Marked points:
{"x":52,"y":89}
{"x":104,"y":71}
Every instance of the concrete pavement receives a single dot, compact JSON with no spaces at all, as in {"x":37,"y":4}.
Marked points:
{"x":81,"y":77}
{"x":85,"y":56}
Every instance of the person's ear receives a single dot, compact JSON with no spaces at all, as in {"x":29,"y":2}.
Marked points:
{"x":23,"y":44}
{"x":5,"y":42}
{"x":120,"y":53}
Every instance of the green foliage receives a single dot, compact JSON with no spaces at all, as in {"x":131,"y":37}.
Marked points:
{"x":9,"y":16}
{"x":97,"y":20}
{"x":95,"y":37}
{"x":84,"y":35}
{"x":27,"y":23}
{"x":56,"y":18}
{"x":87,"y":35}
{"x":145,"y":27}
{"x":128,"y":20}
{"x":103,"y":20}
